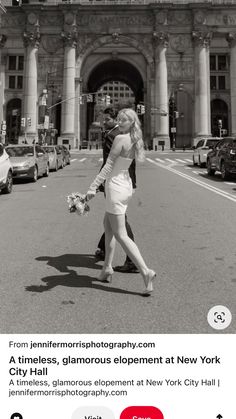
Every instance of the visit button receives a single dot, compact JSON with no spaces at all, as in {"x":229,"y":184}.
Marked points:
{"x":141,"y":412}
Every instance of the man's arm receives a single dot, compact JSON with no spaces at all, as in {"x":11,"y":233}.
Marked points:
{"x":109,"y":138}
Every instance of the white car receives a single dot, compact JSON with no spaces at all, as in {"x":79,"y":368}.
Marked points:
{"x":202,"y":149}
{"x":5,"y":171}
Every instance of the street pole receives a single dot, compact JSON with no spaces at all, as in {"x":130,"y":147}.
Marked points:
{"x":174,"y":131}
{"x":220,"y":126}
{"x":173,"y":121}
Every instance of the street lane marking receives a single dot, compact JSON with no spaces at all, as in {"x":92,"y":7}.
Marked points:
{"x":81,"y":160}
{"x":172,"y":161}
{"x":181,"y":161}
{"x":197,"y":181}
{"x":72,"y":160}
{"x":195,"y":172}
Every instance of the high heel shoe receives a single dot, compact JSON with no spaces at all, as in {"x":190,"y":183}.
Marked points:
{"x":148,"y":279}
{"x":106,"y":275}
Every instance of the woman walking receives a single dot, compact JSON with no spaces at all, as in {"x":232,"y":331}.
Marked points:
{"x":126,"y":146}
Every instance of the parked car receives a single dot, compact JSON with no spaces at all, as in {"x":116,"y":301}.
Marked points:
{"x":5,"y":171}
{"x":55,"y":157}
{"x":65,"y":153}
{"x":28,"y":161}
{"x":223,"y":158}
{"x":202,"y":149}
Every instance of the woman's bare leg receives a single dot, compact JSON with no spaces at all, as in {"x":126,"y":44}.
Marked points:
{"x":117,"y":223}
{"x":110,"y":243}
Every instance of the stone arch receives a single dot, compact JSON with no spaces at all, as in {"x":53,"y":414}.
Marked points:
{"x":143,"y":47}
{"x":109,"y":70}
{"x":101,"y":60}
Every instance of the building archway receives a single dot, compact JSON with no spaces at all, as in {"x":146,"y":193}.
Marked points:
{"x":114,"y":70}
{"x":13,"y":120}
{"x":219,"y":111}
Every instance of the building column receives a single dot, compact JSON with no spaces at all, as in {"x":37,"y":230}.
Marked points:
{"x":202,"y":81}
{"x":3,"y":39}
{"x":231,"y":38}
{"x":68,"y":91}
{"x":161,"y":110}
{"x":31,"y":42}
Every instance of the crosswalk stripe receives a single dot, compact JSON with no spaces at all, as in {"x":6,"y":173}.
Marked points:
{"x":181,"y":161}
{"x":161,"y":161}
{"x":72,"y":160}
{"x":229,"y":183}
{"x":190,"y":161}
{"x":81,"y":160}
{"x":172,"y":161}
{"x":196,"y":173}
{"x":188,"y":168}
{"x":101,"y":159}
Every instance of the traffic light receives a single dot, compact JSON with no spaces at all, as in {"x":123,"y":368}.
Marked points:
{"x":22,"y":122}
{"x":176,"y":114}
{"x":29,"y":122}
{"x":140,"y":109}
{"x":3,"y":128}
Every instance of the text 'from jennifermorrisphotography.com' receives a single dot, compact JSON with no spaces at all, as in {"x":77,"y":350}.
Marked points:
{"x":118,"y":376}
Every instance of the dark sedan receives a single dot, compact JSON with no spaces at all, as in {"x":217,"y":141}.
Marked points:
{"x":223,"y":158}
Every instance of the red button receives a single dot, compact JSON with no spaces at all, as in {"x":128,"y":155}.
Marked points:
{"x":141,"y":412}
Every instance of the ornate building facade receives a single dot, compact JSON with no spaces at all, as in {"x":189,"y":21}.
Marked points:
{"x":178,"y":58}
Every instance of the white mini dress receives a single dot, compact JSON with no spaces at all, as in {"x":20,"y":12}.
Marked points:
{"x":118,"y":186}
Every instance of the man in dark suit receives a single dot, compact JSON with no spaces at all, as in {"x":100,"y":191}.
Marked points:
{"x":111,"y":131}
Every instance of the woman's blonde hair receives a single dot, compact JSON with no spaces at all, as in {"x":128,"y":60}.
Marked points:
{"x":135,"y":132}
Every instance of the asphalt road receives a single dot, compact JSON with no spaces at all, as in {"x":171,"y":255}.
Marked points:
{"x":184,"y":224}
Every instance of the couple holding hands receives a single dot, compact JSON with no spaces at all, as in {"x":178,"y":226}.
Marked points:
{"x":123,"y":144}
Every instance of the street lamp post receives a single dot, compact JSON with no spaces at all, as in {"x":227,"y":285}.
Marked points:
{"x":173,"y":114}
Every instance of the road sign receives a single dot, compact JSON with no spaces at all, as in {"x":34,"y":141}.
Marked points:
{"x":4,"y":127}
{"x":3,"y":132}
{"x":173,"y":130}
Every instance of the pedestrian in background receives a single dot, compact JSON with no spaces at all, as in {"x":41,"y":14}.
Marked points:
{"x":118,"y":187}
{"x":109,"y":134}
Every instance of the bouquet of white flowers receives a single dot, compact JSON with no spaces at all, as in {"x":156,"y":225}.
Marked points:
{"x":78,"y":203}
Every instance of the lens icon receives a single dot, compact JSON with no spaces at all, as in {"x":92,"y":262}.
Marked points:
{"x":219,"y":317}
